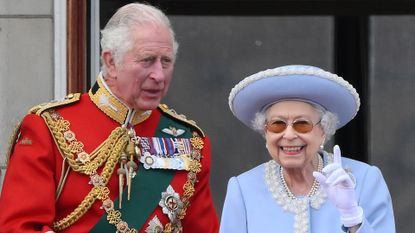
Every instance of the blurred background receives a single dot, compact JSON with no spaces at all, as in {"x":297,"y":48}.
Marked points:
{"x":51,"y":48}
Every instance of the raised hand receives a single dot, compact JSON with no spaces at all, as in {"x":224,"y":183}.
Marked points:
{"x":339,"y":187}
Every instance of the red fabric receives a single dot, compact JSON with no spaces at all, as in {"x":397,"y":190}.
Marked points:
{"x":27,"y":199}
{"x":27,"y":202}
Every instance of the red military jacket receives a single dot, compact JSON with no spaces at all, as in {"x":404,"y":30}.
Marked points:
{"x":65,"y":172}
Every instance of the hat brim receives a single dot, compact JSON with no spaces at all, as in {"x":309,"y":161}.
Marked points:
{"x":260,"y":93}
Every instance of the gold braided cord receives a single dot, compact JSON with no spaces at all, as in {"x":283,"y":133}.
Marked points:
{"x":114,"y":217}
{"x":77,"y":213}
{"x":195,"y":166}
{"x":107,"y":154}
{"x":168,"y":228}
{"x":118,"y":142}
{"x":58,"y":126}
{"x":188,"y":187}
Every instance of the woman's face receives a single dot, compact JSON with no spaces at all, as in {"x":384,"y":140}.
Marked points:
{"x":290,"y":148}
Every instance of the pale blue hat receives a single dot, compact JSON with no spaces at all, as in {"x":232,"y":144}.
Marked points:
{"x":299,"y":82}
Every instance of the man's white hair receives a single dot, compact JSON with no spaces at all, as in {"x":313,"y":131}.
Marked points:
{"x":116,"y":34}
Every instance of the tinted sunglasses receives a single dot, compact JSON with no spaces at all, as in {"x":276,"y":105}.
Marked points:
{"x":300,"y":126}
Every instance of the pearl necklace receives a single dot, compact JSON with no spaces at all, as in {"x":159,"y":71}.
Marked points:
{"x":289,"y":202}
{"x":314,"y":186}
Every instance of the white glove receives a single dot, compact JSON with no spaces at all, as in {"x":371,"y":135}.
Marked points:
{"x":339,"y":187}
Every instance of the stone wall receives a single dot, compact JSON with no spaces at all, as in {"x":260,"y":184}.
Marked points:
{"x":26,"y":62}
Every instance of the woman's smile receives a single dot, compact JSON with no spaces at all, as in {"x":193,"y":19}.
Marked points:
{"x":292,"y":150}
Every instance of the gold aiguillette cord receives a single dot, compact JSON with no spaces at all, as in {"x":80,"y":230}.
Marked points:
{"x":128,"y":167}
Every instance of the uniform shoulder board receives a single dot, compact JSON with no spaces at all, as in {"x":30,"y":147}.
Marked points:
{"x":171,"y":112}
{"x":70,"y":98}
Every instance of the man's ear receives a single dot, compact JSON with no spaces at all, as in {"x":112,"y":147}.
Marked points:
{"x":109,"y":62}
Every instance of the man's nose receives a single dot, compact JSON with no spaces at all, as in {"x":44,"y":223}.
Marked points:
{"x":157,"y":72}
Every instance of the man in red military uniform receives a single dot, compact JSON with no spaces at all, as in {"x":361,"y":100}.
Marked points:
{"x":113,"y":159}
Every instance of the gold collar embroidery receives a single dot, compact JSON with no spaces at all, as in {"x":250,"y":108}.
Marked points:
{"x":114,"y":107}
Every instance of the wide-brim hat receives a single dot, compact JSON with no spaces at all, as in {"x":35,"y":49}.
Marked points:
{"x":294,"y":82}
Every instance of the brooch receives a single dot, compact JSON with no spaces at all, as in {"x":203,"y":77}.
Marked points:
{"x":170,"y":203}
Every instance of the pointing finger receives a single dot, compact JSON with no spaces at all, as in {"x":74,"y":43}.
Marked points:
{"x":337,"y":157}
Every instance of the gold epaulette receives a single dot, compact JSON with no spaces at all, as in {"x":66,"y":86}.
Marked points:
{"x":70,"y":98}
{"x":171,"y":112}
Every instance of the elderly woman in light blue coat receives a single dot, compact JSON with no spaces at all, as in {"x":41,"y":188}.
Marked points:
{"x":303,"y":189}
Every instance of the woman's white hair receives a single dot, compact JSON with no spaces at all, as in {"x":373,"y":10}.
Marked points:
{"x":328,"y":121}
{"x":116,"y":34}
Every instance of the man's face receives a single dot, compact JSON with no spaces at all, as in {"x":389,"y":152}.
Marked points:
{"x":143,"y":76}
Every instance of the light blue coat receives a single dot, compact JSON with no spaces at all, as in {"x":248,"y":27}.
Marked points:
{"x":250,"y":207}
